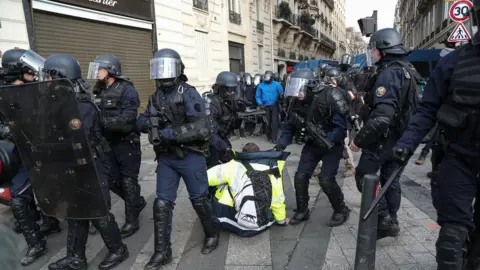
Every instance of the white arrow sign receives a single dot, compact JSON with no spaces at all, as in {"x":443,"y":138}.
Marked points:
{"x":460,"y":33}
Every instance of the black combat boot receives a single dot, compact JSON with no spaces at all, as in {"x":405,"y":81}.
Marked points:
{"x":334,"y":193}
{"x":76,"y":242}
{"x":117,"y":251}
{"x":50,"y":225}
{"x":302,"y":213}
{"x":134,"y":204}
{"x":37,"y":246}
{"x":162,"y":216}
{"x":451,"y":247}
{"x":387,"y":227}
{"x":204,"y":211}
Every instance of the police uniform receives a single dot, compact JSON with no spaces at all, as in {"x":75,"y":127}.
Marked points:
{"x":386,"y":101}
{"x":119,"y":103}
{"x":222,"y":116}
{"x":326,"y":108}
{"x":15,"y":63}
{"x":178,"y":128}
{"x":450,"y":97}
{"x":66,"y":66}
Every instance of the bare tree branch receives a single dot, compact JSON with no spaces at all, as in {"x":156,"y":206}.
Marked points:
{"x":355,"y":43}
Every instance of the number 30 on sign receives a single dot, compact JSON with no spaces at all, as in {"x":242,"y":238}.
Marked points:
{"x":459,"y":10}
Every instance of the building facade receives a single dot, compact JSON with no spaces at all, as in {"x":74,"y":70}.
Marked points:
{"x":339,"y":34}
{"x":306,"y":29}
{"x":250,"y":36}
{"x":423,"y":24}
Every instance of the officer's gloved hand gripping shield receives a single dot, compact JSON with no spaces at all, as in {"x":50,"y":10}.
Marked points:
{"x":45,"y":122}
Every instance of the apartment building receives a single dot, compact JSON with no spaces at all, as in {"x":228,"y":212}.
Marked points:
{"x":423,"y":24}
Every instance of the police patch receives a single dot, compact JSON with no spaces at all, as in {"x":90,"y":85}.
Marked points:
{"x":75,"y":124}
{"x":380,"y":92}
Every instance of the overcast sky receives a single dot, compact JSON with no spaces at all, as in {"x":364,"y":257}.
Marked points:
{"x":356,"y":9}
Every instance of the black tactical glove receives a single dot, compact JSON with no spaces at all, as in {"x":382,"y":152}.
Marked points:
{"x":279,"y":147}
{"x":401,"y":155}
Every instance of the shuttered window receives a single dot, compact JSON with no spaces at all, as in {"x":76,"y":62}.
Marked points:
{"x":201,"y":42}
{"x":85,"y":39}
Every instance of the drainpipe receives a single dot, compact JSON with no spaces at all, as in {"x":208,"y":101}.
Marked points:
{"x":271,"y":34}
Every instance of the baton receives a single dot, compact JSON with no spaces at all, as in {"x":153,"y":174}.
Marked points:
{"x":384,"y":189}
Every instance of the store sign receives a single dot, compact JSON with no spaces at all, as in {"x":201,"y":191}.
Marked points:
{"x":140,"y":9}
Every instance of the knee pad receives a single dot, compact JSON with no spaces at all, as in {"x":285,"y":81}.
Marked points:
{"x":18,"y":205}
{"x":327,"y":184}
{"x":301,"y":180}
{"x":451,"y":245}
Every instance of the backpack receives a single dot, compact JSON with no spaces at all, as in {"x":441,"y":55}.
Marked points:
{"x":255,"y":198}
{"x":412,"y":94}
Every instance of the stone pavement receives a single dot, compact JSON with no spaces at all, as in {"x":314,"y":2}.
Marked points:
{"x":311,"y":245}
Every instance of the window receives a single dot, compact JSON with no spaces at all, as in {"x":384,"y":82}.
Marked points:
{"x":203,"y":59}
{"x":201,"y":4}
{"x":260,"y":58}
{"x":446,"y":8}
{"x":234,"y":6}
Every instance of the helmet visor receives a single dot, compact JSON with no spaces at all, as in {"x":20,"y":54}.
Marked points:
{"x":229,"y":92}
{"x":32,"y":60}
{"x":248,"y":80}
{"x":346,"y":59}
{"x":257,"y":80}
{"x":165,"y":68}
{"x":268,"y":77}
{"x":93,"y":69}
{"x":296,"y":87}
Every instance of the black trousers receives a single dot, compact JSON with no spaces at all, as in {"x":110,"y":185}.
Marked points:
{"x":273,"y":118}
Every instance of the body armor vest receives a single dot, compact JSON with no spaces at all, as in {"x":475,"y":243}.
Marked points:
{"x":459,"y":114}
{"x":110,"y":100}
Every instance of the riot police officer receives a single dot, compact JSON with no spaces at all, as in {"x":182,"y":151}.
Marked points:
{"x":257,"y":79}
{"x":250,"y":89}
{"x":178,"y":128}
{"x":319,"y":113}
{"x":223,"y":117}
{"x":22,"y":66}
{"x":66,"y":66}
{"x":118,"y":101}
{"x":384,"y":125}
{"x":451,"y":98}
{"x":345,"y":62}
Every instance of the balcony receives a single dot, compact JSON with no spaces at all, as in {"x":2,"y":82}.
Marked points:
{"x":283,"y":12}
{"x":260,"y":27}
{"x":235,"y":17}
{"x":201,"y":4}
{"x":328,"y":42}
{"x":309,"y":30}
{"x":281,"y":52}
{"x":329,"y":4}
{"x":300,"y":57}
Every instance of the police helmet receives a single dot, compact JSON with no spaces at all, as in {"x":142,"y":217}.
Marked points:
{"x":333,"y":72}
{"x":257,"y":79}
{"x":247,"y":78}
{"x":276,"y":77}
{"x":11,"y":60}
{"x":268,"y":77}
{"x":239,"y":78}
{"x":299,"y":83}
{"x":105,"y":61}
{"x":64,"y":66}
{"x":388,"y":40}
{"x":226,"y":85}
{"x":166,"y":66}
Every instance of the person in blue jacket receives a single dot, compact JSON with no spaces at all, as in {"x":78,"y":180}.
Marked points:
{"x":178,"y":128}
{"x":452,"y":98}
{"x":268,"y":94}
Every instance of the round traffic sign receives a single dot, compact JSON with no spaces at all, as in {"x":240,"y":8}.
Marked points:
{"x":459,"y":10}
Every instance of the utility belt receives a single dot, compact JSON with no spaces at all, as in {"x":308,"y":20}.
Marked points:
{"x":181,"y":151}
{"x":116,"y":138}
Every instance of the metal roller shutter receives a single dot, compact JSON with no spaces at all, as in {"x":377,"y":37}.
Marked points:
{"x":85,"y":39}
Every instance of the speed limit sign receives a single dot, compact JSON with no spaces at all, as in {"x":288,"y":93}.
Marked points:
{"x":459,"y":10}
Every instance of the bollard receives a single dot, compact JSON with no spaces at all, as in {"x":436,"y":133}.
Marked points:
{"x":367,"y":228}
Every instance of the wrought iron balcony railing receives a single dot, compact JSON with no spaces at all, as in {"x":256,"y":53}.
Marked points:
{"x":286,"y":15}
{"x":235,"y":17}
{"x":329,"y":3}
{"x":201,"y":4}
{"x":293,"y":55}
{"x":281,"y":52}
{"x":309,"y":29}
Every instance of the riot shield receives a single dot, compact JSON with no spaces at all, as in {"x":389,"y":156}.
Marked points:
{"x":47,"y":127}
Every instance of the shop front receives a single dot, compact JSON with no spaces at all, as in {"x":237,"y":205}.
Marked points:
{"x":87,"y":28}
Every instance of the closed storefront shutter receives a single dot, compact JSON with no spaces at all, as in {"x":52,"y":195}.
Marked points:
{"x":85,"y":39}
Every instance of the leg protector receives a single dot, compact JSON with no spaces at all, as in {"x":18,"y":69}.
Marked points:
{"x":50,"y":225}
{"x":134,"y":204}
{"x":302,"y":213}
{"x":204,"y":211}
{"x":37,"y":245}
{"x":451,"y":247}
{"x":108,"y":229}
{"x":335,"y":195}
{"x":76,"y":241}
{"x":162,"y":216}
